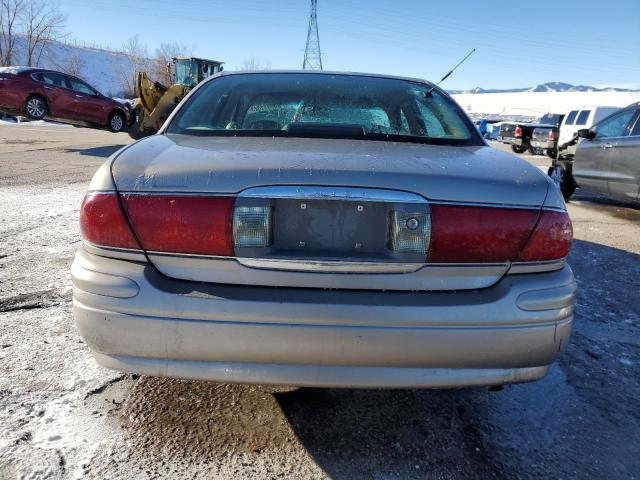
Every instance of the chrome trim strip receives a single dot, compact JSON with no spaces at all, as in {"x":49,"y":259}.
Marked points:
{"x":114,"y":252}
{"x":494,"y":205}
{"x":115,"y":249}
{"x":176,"y":193}
{"x":189,"y":255}
{"x":536,"y":267}
{"x":329,"y":266}
{"x":333,"y":193}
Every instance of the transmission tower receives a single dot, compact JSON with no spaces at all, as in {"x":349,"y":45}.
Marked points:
{"x":312,"y":55}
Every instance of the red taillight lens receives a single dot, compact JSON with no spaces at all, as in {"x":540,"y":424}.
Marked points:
{"x":552,"y":136}
{"x":497,"y":235}
{"x":551,"y":239}
{"x":478,"y":234}
{"x":518,"y":132}
{"x":199,"y":225}
{"x":103,"y":223}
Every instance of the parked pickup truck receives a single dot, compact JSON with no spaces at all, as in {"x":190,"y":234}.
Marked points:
{"x":518,"y":135}
{"x":546,"y":139}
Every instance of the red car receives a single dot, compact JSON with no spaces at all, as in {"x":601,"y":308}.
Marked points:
{"x":38,"y":93}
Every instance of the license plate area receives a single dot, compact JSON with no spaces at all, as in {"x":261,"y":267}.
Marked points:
{"x":329,"y":228}
{"x":332,"y":224}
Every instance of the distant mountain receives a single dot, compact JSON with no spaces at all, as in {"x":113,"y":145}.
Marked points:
{"x":546,"y":87}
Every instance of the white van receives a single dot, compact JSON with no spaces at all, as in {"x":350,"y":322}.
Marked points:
{"x":585,"y":117}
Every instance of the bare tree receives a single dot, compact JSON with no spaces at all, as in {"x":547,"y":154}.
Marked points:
{"x":42,"y":24}
{"x":164,"y":54}
{"x":9,"y":19}
{"x":74,"y":65}
{"x":253,"y":64}
{"x":138,"y":61}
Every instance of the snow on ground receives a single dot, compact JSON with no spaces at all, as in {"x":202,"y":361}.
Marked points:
{"x":33,"y":123}
{"x":538,"y":103}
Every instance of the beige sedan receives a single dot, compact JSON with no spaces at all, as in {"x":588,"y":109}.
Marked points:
{"x":323,"y":229}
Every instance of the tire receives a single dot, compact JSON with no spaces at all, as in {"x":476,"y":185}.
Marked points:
{"x":519,"y":149}
{"x":563,"y":179}
{"x":552,"y":154}
{"x":36,"y":107}
{"x":116,"y":122}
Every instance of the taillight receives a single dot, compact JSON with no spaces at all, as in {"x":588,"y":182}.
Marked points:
{"x":497,"y":235}
{"x":192,"y":224}
{"x":478,"y":234}
{"x":552,"y":136}
{"x":551,"y":239}
{"x":103,"y":223}
{"x":518,"y":132}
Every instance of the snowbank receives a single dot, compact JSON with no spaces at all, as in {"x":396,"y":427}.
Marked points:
{"x":14,"y":70}
{"x":42,"y":123}
{"x":537,"y":103}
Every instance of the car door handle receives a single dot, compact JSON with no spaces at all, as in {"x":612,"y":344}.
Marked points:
{"x":79,"y":96}
{"x":48,"y":88}
{"x":606,"y":146}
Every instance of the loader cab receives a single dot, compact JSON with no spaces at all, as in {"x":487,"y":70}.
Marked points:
{"x":191,"y":71}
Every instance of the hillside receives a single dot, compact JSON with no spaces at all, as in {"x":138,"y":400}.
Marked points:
{"x":103,"y":69}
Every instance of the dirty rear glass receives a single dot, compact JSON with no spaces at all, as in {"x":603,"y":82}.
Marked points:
{"x":325,"y":106}
{"x":549,"y":119}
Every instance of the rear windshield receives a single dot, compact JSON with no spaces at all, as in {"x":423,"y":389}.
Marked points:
{"x":571,"y":117}
{"x":324,"y":106}
{"x":549,"y":119}
{"x":583,"y":117}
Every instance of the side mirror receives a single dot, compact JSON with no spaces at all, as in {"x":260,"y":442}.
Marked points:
{"x":586,"y":133}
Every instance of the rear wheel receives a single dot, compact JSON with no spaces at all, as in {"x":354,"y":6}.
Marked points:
{"x":519,"y":148}
{"x":35,"y":107}
{"x":116,"y":122}
{"x":563,"y":179}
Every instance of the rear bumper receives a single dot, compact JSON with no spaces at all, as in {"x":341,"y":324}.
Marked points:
{"x":510,"y":140}
{"x":543,"y":144}
{"x":136,"y":320}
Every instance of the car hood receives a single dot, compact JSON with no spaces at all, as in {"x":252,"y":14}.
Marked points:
{"x":190,"y":164}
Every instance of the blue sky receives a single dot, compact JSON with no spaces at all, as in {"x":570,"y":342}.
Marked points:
{"x":519,"y":43}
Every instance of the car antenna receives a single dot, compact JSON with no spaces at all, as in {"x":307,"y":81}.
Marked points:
{"x":450,"y":72}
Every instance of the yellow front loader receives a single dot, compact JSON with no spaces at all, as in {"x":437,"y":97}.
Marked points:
{"x":157,"y":101}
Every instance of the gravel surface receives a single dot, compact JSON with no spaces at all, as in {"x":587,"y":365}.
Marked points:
{"x":63,"y":416}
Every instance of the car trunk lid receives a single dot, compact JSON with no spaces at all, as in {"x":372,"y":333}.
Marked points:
{"x":333,"y":205}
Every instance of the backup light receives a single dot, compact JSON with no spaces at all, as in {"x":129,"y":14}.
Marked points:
{"x":409,"y":232}
{"x":252,"y":227}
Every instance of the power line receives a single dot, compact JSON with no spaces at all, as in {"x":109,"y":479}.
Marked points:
{"x":312,"y":54}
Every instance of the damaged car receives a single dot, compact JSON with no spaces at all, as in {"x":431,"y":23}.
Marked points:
{"x":328,"y":230}
{"x":37,"y":94}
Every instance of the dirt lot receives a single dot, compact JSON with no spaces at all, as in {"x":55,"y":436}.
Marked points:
{"x":62,"y":416}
